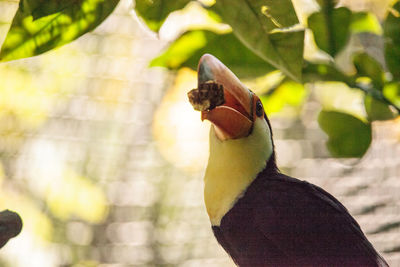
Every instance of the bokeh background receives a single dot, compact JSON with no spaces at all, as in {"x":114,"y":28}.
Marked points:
{"x":103,"y":157}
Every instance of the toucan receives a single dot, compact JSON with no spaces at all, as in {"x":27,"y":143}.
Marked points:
{"x":260,"y":216}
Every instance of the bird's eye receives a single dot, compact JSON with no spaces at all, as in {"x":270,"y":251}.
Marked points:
{"x":259,"y":109}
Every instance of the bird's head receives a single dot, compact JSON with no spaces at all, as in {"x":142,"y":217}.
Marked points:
{"x":241,"y":117}
{"x":241,"y":143}
{"x":235,"y":118}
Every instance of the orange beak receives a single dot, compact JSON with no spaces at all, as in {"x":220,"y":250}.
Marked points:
{"x":233,"y":119}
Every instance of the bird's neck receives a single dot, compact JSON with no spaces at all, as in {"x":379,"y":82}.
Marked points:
{"x":232,"y":167}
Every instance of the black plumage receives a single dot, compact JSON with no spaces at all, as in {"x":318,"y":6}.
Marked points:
{"x":282,"y":221}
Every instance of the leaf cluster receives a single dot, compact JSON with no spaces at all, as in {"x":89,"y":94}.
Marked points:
{"x":265,"y":36}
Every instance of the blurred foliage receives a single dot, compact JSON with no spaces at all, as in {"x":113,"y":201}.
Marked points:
{"x":286,"y":93}
{"x":377,"y":110}
{"x":327,"y":4}
{"x":348,"y":136}
{"x":27,"y":100}
{"x":22,"y":109}
{"x":51,"y":195}
{"x":74,"y":196}
{"x":324,"y":72}
{"x":331,"y":28}
{"x":368,"y":67}
{"x":42,"y":8}
{"x":38,"y":27}
{"x":267,"y":28}
{"x":27,"y":207}
{"x":365,"y":22}
{"x":188,"y":48}
{"x":154,"y":12}
{"x":265,"y":35}
{"x":391,"y":28}
{"x":392,"y":92}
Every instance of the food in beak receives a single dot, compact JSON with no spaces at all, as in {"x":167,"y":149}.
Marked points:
{"x":222,"y":99}
{"x":208,"y":96}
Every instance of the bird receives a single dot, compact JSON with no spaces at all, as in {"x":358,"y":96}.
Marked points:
{"x":260,"y":216}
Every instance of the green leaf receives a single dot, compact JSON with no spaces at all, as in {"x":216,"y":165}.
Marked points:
{"x":28,"y":37}
{"x":392,"y":92}
{"x":327,"y":4}
{"x":42,"y":8}
{"x":187,"y":49}
{"x":348,"y":136}
{"x":367,"y":66}
{"x":331,"y":28}
{"x":377,"y":110}
{"x":181,"y":50}
{"x":324,"y":72}
{"x":266,"y":27}
{"x":391,"y":33}
{"x":154,"y":12}
{"x":365,"y":22}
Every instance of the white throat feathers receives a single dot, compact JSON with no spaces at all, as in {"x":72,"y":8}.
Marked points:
{"x":232,"y":166}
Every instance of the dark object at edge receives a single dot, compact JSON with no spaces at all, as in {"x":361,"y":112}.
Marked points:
{"x":10,"y":226}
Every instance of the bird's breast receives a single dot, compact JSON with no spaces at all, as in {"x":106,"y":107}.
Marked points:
{"x":232,"y":167}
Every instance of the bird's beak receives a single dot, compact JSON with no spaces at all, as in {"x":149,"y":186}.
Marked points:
{"x":233,"y":119}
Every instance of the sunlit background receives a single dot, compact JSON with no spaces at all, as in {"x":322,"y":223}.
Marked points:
{"x":103,"y":157}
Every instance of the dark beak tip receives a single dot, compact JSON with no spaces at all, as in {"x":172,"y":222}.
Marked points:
{"x":206,"y":58}
{"x":206,"y":68}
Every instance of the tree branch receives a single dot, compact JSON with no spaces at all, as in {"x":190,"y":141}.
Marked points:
{"x":378,"y":95}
